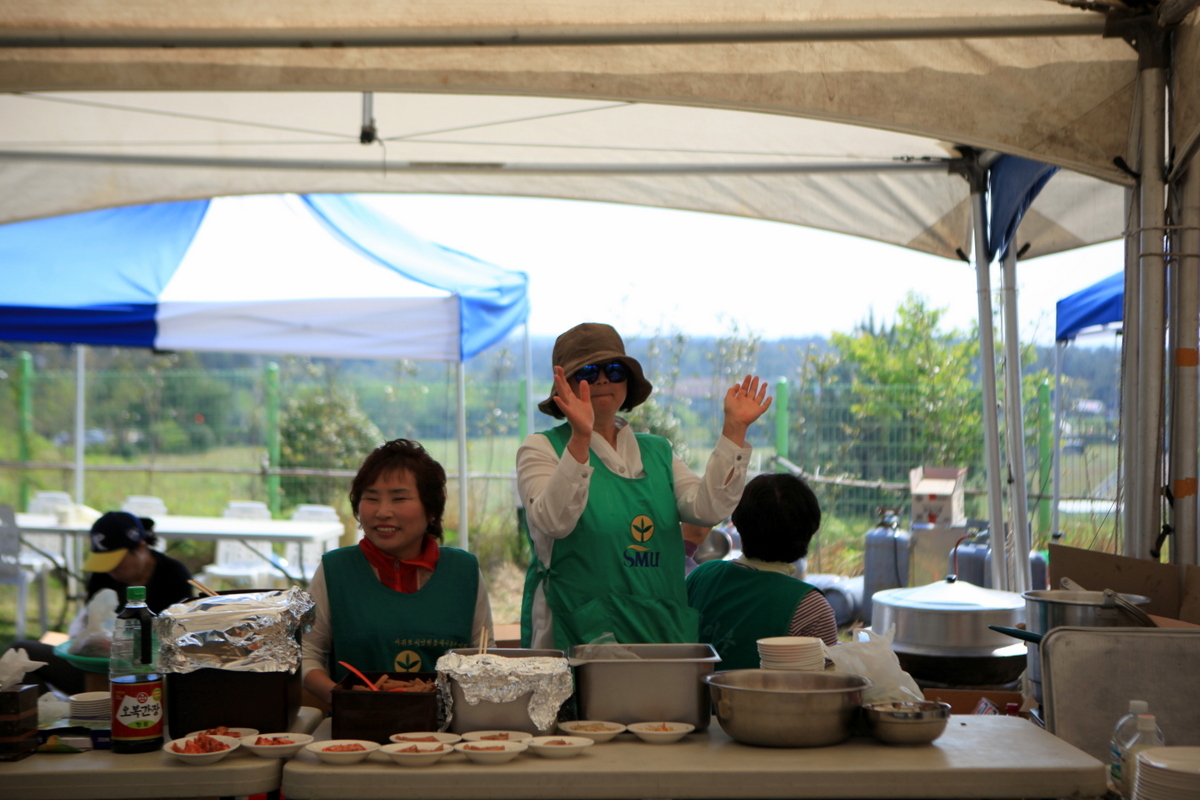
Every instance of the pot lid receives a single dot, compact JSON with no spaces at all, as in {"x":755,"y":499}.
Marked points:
{"x":950,"y":596}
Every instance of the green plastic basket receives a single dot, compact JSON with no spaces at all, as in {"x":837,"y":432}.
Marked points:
{"x":85,"y":663}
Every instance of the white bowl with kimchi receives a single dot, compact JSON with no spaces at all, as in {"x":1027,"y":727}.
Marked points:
{"x":342,"y":751}
{"x":276,"y":745}
{"x":201,"y":748}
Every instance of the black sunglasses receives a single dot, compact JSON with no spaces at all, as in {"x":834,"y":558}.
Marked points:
{"x":616,"y":372}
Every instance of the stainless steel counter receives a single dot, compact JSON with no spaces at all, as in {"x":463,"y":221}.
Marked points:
{"x":977,"y":757}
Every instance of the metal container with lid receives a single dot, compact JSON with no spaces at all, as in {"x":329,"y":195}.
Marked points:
{"x":942,"y":633}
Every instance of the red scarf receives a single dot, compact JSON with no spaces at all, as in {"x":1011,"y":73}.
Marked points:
{"x":398,"y":574}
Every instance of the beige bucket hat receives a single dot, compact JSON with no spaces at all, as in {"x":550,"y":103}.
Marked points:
{"x":596,"y":343}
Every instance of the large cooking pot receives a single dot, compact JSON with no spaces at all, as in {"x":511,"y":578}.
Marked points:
{"x":1053,"y":608}
{"x":942,"y":634}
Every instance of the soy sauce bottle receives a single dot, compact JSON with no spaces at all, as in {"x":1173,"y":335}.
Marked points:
{"x":134,"y":680}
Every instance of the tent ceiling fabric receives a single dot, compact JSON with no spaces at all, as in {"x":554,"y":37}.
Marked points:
{"x":661,"y":92}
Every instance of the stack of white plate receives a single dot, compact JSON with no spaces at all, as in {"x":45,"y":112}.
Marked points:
{"x":1168,"y":773}
{"x":91,"y":705}
{"x":803,"y":653}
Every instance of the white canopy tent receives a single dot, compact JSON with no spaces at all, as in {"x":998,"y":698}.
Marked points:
{"x":693,"y":104}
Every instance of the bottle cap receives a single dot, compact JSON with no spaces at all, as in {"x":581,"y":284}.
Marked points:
{"x":1146,"y":722}
{"x":1139,"y":707}
{"x":1012,"y":709}
{"x":135,"y":593}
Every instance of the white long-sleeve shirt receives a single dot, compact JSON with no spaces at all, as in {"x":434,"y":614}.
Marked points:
{"x":554,"y":492}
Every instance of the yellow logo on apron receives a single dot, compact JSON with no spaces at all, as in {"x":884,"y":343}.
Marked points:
{"x":408,"y":661}
{"x":642,"y":528}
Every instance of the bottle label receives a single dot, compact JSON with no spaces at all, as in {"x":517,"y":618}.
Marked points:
{"x":137,"y":711}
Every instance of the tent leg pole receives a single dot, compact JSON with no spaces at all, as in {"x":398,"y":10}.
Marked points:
{"x":1185,"y":285}
{"x":1020,"y":578}
{"x":1152,"y":319}
{"x":1060,"y":349}
{"x":1131,"y":335}
{"x":461,"y":373}
{"x":80,"y":367}
{"x":987,"y":360}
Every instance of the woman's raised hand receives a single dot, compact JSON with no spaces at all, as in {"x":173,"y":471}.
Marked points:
{"x":744,"y":403}
{"x":577,"y":408}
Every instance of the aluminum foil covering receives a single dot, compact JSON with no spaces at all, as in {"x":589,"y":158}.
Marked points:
{"x":248,"y":632}
{"x":499,"y":679}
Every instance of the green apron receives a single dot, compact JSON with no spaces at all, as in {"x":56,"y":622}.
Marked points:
{"x":620,"y":570}
{"x":738,"y":606}
{"x":378,"y":629}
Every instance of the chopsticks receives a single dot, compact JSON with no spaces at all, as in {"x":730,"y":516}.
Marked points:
{"x":203,"y":589}
{"x":483,"y":640}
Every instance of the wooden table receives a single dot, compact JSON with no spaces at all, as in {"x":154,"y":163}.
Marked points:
{"x":104,"y":775}
{"x":977,"y":757}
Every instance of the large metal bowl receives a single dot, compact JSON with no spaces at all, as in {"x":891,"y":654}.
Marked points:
{"x":777,"y":708}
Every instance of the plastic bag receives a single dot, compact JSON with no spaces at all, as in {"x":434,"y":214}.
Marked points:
{"x":872,"y":657}
{"x":93,"y":638}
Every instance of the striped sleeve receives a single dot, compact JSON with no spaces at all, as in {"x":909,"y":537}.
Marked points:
{"x":814,"y":617}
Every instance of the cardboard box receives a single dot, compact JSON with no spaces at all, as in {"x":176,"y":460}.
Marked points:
{"x":1174,"y":592}
{"x":963,"y":701}
{"x":937,"y":495}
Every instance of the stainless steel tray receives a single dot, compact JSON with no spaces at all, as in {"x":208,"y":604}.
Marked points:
{"x":1089,"y":675}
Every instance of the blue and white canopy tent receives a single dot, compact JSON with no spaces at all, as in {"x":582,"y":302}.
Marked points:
{"x":316,"y":275}
{"x":1089,"y":310}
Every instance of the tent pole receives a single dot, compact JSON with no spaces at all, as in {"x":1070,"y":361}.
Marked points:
{"x":462,"y":455}
{"x":529,"y":406}
{"x":1127,"y":482}
{"x":987,"y":360}
{"x":80,"y":366}
{"x":1020,"y":578}
{"x":1185,"y":285}
{"x":1148,"y":469}
{"x":1060,"y":349}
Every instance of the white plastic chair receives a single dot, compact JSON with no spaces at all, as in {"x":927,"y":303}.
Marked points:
{"x":235,"y":562}
{"x":58,"y":546}
{"x":303,"y":559}
{"x":17,"y":571}
{"x":143,"y":505}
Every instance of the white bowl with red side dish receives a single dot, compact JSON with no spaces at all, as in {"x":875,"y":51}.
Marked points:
{"x":201,"y":748}
{"x":660,"y":732}
{"x":597,"y":730}
{"x":491,"y":752}
{"x":559,"y":746}
{"x":342,"y":751}
{"x":276,"y":745}
{"x":416,"y":754}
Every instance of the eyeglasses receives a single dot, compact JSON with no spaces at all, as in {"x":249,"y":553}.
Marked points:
{"x":616,"y":372}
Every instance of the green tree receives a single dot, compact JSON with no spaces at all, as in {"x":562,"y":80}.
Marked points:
{"x":323,"y":427}
{"x":916,"y":400}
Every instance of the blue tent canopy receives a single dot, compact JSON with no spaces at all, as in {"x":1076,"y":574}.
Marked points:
{"x":1102,"y":303}
{"x":318,"y":275}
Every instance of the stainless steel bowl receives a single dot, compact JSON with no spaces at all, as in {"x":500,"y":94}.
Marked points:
{"x":907,"y":723}
{"x":776,"y":708}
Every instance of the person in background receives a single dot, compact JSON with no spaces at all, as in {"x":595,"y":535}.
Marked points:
{"x":397,"y":600}
{"x":122,"y":556}
{"x":758,"y":595}
{"x":604,"y":504}
{"x":693,"y":537}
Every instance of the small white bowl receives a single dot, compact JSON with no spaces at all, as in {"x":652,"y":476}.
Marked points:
{"x":341,"y":756}
{"x":496,"y":736}
{"x":559,"y":746}
{"x":511,"y":750}
{"x":236,"y":733}
{"x":201,"y":758}
{"x":422,"y":737}
{"x":298,"y":740}
{"x":579,"y":728}
{"x":427,"y":753}
{"x":660,"y":732}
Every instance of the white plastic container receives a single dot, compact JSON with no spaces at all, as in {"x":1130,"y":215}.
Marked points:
{"x":1148,"y":735}
{"x":1123,"y":731}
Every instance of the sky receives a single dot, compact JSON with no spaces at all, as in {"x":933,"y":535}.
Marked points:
{"x":649,"y":270}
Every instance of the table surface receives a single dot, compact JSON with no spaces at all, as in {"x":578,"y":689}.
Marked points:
{"x":183,"y":527}
{"x":977,"y":757}
{"x":104,"y":775}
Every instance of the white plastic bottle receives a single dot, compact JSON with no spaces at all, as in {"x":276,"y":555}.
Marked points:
{"x":1124,"y":730}
{"x":1148,"y":735}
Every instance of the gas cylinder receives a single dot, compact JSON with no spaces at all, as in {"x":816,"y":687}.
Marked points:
{"x":971,"y":556}
{"x":885,"y":558}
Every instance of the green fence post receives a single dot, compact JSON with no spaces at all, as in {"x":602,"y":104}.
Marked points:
{"x":1045,"y":457}
{"x":522,"y":422}
{"x":273,"y":493}
{"x":781,"y":421}
{"x":25,"y":426}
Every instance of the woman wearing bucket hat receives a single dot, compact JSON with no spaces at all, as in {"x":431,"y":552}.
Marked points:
{"x":604,"y":504}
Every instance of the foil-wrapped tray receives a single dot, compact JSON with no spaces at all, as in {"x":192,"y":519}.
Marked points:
{"x":246,"y":632}
{"x":489,"y":686}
